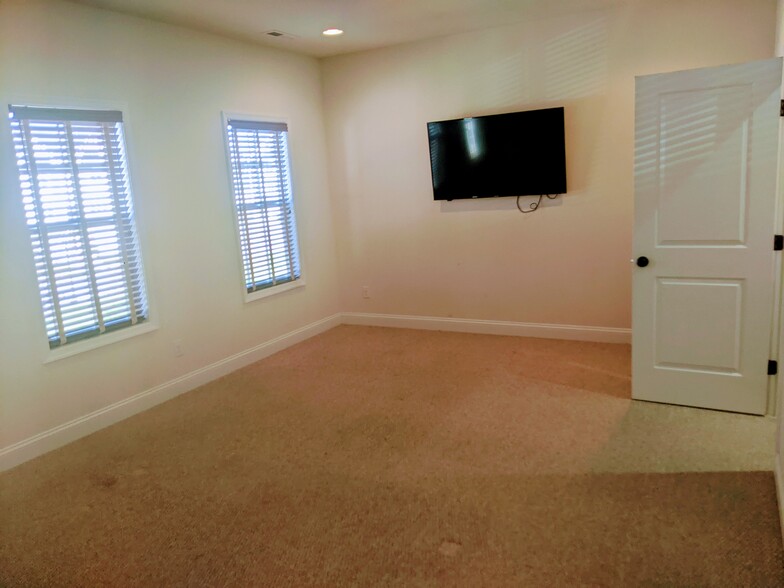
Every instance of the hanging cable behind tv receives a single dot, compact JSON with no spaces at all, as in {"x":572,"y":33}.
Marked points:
{"x":534,"y":206}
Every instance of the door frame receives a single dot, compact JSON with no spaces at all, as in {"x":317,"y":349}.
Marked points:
{"x":776,"y":392}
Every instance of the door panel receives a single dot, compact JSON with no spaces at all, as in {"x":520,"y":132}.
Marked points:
{"x":687,"y":335}
{"x":703,"y":157}
{"x":706,"y":154}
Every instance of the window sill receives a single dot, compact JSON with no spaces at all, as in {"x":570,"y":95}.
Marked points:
{"x":72,"y":349}
{"x":267,"y":292}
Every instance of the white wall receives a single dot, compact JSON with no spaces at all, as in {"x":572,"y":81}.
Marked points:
{"x":174,"y":84}
{"x":569,"y":262}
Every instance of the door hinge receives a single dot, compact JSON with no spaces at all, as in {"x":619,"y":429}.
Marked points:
{"x":773,"y":367}
{"x":778,"y":242}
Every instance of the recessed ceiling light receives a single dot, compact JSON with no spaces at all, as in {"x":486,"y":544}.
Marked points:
{"x":332,"y":32}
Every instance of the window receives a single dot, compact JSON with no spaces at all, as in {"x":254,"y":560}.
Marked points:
{"x":77,"y":201}
{"x":259,"y":161}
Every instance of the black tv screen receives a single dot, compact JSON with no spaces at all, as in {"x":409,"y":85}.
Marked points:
{"x":513,"y":154}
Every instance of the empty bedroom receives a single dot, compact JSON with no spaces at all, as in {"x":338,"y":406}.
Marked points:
{"x":359,"y":293}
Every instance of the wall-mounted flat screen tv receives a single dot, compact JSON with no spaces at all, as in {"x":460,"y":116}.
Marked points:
{"x":513,"y":154}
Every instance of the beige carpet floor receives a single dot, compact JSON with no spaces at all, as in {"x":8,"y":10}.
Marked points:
{"x":383,"y":457}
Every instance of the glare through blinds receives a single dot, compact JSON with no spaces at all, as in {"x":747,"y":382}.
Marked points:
{"x":77,"y":201}
{"x":258,"y":154}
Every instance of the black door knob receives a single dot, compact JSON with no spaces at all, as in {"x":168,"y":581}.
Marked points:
{"x":642,"y":261}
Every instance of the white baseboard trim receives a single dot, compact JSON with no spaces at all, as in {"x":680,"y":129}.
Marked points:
{"x":543,"y":331}
{"x":41,"y":443}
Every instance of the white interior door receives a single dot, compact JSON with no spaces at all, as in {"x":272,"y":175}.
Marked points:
{"x":706,"y":156}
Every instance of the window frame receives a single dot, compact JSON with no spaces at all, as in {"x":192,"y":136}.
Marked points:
{"x":285,"y":286}
{"x":79,"y":346}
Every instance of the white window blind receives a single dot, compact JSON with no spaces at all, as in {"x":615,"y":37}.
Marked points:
{"x":77,"y":201}
{"x":258,"y":157}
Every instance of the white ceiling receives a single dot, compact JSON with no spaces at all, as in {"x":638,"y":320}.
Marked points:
{"x":368,"y":24}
